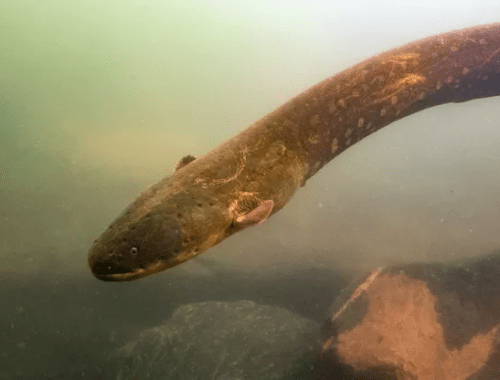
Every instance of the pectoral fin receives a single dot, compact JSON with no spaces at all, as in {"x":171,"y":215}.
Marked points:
{"x":255,"y":216}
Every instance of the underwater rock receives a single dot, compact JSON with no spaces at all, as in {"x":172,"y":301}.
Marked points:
{"x":425,"y":321}
{"x":220,"y":340}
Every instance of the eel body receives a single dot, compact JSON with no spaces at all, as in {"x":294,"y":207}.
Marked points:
{"x":254,"y":174}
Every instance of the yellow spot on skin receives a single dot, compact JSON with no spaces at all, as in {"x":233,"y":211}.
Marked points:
{"x":348,"y":142}
{"x":465,"y":71}
{"x":361,"y":121}
{"x":421,"y":95}
{"x":394,"y":88}
{"x":449,"y":79}
{"x":348,"y":132}
{"x":401,"y":58}
{"x":410,"y":80}
{"x":383,"y":112}
{"x":332,"y":108}
{"x":394,"y":100}
{"x":368,"y":125}
{"x":314,"y":120}
{"x":439,"y":85}
{"x":314,"y":139}
{"x":335,"y":145}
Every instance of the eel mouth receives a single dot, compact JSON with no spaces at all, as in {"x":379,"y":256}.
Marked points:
{"x":110,"y":273}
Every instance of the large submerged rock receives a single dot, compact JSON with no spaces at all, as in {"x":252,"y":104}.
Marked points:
{"x":220,"y":340}
{"x":425,"y":321}
{"x":432,"y":321}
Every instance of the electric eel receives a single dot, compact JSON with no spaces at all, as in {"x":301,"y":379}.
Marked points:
{"x":255,"y":174}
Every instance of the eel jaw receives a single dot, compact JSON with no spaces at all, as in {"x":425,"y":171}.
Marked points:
{"x":133,"y":274}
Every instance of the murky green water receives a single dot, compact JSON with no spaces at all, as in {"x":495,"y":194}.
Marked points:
{"x":100,"y":99}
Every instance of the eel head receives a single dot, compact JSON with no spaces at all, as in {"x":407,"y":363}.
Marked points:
{"x":164,"y":228}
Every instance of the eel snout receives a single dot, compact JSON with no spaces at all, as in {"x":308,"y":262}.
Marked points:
{"x":131,"y":251}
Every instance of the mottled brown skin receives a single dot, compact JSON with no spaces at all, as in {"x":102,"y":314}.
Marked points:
{"x":256,"y":173}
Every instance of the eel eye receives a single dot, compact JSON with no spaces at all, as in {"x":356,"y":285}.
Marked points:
{"x":134,"y":251}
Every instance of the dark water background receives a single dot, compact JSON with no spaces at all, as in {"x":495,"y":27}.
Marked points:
{"x":101,"y":98}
